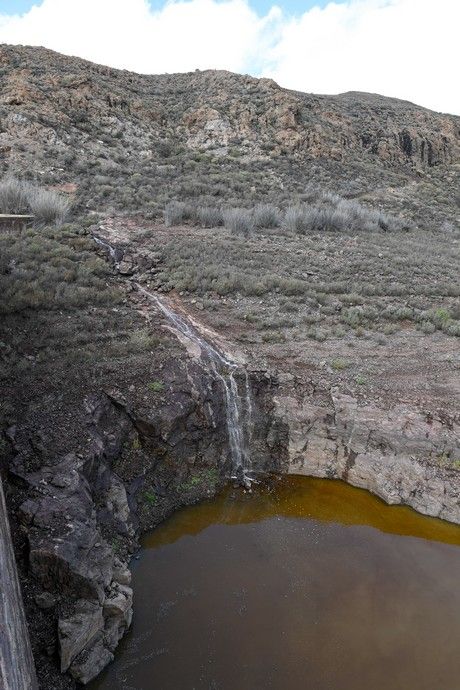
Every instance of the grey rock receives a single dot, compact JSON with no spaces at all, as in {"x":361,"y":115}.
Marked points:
{"x":121,"y":572}
{"x":90,"y":663}
{"x":76,"y":631}
{"x":397,"y":453}
{"x":45,"y":600}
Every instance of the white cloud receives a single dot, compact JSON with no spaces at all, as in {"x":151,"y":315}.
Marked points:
{"x":403,"y":48}
{"x":181,"y":36}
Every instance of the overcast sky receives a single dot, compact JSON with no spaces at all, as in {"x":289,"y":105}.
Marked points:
{"x":403,"y":48}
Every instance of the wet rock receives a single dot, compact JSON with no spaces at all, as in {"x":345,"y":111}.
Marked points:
{"x":90,"y":663}
{"x":126,"y":268}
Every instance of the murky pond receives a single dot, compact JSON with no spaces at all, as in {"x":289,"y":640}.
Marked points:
{"x":311,"y":584}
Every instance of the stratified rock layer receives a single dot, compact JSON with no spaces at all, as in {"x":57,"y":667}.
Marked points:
{"x":399,"y":454}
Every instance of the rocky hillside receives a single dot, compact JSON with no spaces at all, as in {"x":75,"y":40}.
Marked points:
{"x":132,"y":142}
{"x":346,"y":332}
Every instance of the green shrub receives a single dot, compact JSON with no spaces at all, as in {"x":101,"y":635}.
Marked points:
{"x":339,"y":364}
{"x":156,"y":386}
{"x":427,"y":327}
{"x":150,"y":498}
{"x":440,"y":316}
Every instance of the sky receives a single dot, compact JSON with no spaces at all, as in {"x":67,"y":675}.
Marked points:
{"x":402,"y":48}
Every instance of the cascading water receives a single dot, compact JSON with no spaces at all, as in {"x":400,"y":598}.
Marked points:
{"x":238,"y":408}
{"x":113,"y":252}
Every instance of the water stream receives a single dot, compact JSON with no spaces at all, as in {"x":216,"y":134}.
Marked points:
{"x":224,"y":369}
{"x":112,"y":251}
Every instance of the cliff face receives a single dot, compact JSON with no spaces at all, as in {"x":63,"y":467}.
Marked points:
{"x":89,"y":129}
{"x":399,"y":454}
{"x":46,"y":95}
{"x":82,"y":512}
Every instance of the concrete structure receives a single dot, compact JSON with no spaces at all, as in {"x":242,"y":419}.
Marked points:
{"x":17,"y":671}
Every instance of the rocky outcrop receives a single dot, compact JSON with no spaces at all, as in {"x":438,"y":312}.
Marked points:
{"x":87,"y":585}
{"x":399,"y":454}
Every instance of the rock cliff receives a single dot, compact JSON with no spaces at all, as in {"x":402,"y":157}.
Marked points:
{"x":398,"y":454}
{"x":81,"y":514}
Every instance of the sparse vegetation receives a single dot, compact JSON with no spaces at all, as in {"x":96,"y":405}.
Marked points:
{"x":333,"y":283}
{"x":150,"y":498}
{"x":156,"y":386}
{"x":333,"y":213}
{"x":174,"y":213}
{"x":266,"y":216}
{"x":14,"y":196}
{"x":339,"y":364}
{"x":295,"y":220}
{"x":48,"y":207}
{"x":209,"y":216}
{"x":202,"y":477}
{"x":52,"y":268}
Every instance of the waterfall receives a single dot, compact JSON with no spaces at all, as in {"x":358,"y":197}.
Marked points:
{"x":238,"y":407}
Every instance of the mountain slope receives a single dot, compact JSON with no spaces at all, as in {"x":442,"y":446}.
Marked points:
{"x":348,"y":330}
{"x":133,"y":142}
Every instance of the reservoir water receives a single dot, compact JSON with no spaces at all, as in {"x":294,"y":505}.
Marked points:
{"x":302,"y":584}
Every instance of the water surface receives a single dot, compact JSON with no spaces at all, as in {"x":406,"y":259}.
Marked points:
{"x":310,"y":584}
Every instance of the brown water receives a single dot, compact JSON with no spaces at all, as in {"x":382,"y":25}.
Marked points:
{"x":310,"y":585}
